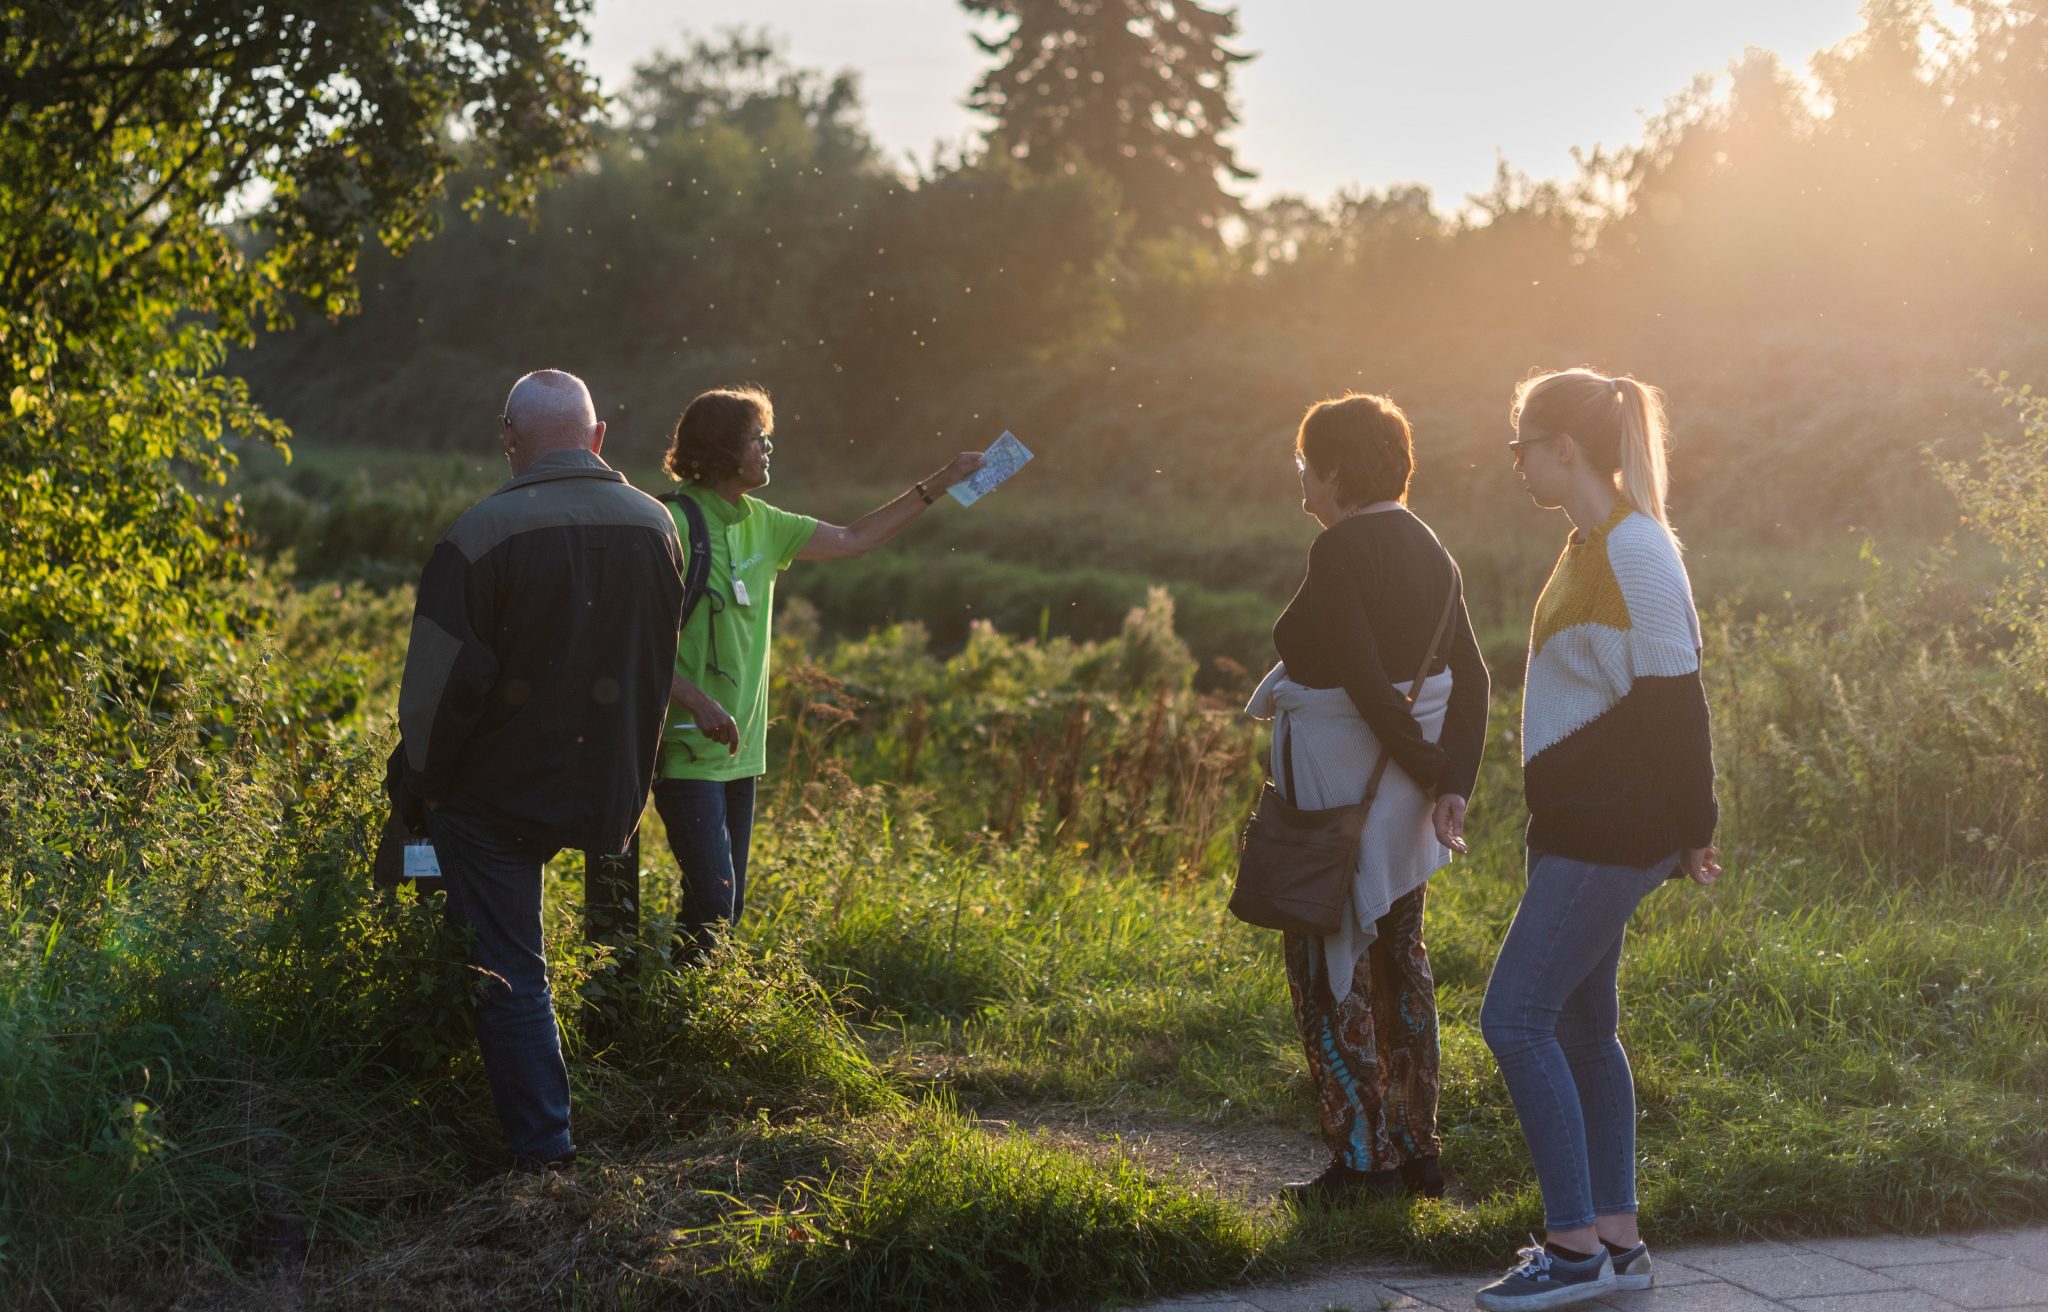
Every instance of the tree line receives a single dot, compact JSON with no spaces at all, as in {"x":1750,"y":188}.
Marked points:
{"x":352,"y":223}
{"x":1090,"y":268}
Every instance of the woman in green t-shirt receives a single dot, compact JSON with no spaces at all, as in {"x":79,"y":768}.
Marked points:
{"x":715,"y":747}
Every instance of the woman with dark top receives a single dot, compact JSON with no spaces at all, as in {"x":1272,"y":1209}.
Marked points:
{"x":1353,"y":636}
{"x":1618,"y":768}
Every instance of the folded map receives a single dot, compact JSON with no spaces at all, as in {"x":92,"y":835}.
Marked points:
{"x":1000,"y":461}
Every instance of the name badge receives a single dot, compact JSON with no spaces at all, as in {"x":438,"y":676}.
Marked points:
{"x":739,"y":593}
{"x":421,"y":861}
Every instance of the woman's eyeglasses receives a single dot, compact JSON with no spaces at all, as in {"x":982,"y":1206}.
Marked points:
{"x":1518,"y":447}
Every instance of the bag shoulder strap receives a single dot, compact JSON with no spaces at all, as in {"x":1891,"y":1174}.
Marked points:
{"x":697,"y":569}
{"x":1436,"y":641}
{"x":1379,"y":769}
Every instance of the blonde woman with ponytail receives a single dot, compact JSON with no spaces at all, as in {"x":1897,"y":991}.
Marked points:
{"x":1618,"y":770}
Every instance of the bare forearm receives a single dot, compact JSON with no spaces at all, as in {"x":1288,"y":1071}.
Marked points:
{"x":878,"y":526}
{"x":831,"y":542}
{"x":711,"y":719}
{"x":684,"y":693}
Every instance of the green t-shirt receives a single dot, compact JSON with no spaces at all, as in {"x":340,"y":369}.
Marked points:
{"x":750,"y":543}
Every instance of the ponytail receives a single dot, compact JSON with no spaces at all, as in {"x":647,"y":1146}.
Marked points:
{"x":1618,"y":422}
{"x":1645,"y":471}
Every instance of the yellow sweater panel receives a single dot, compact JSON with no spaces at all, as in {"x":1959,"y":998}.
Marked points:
{"x":1582,"y":589}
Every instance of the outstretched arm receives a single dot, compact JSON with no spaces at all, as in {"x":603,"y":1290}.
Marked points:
{"x":833,"y":542}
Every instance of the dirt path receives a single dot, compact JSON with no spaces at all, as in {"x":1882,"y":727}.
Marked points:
{"x":1243,"y":1161}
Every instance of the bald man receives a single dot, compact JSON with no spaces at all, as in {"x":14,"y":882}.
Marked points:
{"x":535,"y":687}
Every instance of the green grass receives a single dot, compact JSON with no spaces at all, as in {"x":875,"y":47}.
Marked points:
{"x":1817,"y":1049}
{"x":946,"y":1215}
{"x":226,"y":1063}
{"x":988,"y":880}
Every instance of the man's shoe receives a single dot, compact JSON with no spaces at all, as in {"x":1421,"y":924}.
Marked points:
{"x":1340,"y":1186}
{"x":1423,"y":1177}
{"x":526,"y":1164}
{"x":1542,"y":1279}
{"x":1631,"y":1267}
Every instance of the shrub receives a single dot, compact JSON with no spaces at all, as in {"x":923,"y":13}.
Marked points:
{"x":1909,"y":732}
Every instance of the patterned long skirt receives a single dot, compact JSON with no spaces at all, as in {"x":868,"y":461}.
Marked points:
{"x":1373,"y":1055}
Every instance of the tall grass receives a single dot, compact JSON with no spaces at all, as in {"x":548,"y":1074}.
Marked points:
{"x":226,"y":1062}
{"x":1818,"y":1048}
{"x":1102,"y":745}
{"x":216,"y":1037}
{"x":1897,"y":734}
{"x":988,"y":876}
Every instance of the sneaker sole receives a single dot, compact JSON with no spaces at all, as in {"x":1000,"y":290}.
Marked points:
{"x":1566,"y":1296}
{"x":1633,"y":1283}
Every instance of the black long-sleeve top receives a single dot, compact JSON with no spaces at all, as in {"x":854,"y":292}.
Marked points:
{"x":1361,"y":621}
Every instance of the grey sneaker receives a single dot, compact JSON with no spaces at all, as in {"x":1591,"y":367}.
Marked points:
{"x":1632,"y":1268}
{"x":1543,"y":1280}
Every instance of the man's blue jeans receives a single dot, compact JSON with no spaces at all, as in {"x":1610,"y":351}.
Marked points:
{"x":494,"y":884}
{"x":1552,"y":1017}
{"x":710,"y":823}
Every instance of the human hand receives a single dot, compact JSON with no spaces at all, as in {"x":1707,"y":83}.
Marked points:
{"x":959,"y":467}
{"x":1702,"y":865}
{"x":1449,"y":819}
{"x":715,"y":723}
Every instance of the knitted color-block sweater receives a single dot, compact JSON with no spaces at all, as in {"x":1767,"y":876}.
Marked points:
{"x":1617,"y":752}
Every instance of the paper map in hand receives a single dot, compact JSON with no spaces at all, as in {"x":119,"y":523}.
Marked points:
{"x":1000,"y":461}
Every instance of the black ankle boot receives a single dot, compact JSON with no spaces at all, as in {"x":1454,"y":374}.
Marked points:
{"x":1340,"y":1186}
{"x":1422,"y":1177}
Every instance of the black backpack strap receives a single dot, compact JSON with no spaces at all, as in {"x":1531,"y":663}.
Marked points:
{"x":697,"y":569}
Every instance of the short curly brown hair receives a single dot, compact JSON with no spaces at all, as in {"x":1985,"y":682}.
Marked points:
{"x":711,"y":436}
{"x":1361,"y":442}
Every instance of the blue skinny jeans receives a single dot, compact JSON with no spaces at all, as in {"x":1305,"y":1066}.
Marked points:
{"x":1552,"y":1018}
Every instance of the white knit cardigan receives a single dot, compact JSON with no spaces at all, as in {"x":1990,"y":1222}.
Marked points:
{"x":1334,"y":753}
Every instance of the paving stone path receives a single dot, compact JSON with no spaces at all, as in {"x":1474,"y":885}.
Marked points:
{"x":1997,"y":1269}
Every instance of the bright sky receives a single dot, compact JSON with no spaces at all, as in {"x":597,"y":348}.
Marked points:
{"x":1343,"y":92}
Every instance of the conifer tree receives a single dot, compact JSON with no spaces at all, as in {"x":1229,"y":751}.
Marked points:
{"x":1137,"y":89}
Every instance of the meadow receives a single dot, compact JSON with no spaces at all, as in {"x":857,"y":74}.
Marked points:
{"x":988,"y":1037}
{"x":988,"y":1010}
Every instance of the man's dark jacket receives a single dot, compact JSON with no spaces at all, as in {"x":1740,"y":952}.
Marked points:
{"x":543,"y":642}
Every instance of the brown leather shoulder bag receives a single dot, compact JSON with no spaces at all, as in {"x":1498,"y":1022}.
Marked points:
{"x":1294,"y":867}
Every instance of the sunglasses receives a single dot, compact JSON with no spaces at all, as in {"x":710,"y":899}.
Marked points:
{"x":1519,"y":447}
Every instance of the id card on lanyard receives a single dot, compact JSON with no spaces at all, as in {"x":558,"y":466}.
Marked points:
{"x":734,"y":565}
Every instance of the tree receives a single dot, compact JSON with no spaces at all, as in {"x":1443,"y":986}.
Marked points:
{"x":169,"y":174}
{"x":2002,"y":91}
{"x":981,"y":264}
{"x":1139,"y":89}
{"x":693,"y":246}
{"x":1716,"y":207}
{"x":733,"y":223}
